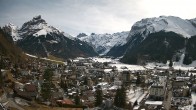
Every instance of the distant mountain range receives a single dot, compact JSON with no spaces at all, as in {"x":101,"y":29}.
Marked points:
{"x":155,"y":39}
{"x":151,"y":39}
{"x":102,"y":43}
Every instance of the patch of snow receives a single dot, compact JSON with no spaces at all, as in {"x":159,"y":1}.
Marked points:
{"x":102,"y":60}
{"x":13,"y":31}
{"x":41,"y":32}
{"x":120,"y":67}
{"x":31,"y":55}
{"x":53,"y":41}
{"x":45,"y":58}
{"x":107,"y":70}
{"x":154,"y":102}
{"x":113,"y":87}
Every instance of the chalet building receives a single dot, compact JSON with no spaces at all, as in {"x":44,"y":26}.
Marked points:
{"x":157,"y":92}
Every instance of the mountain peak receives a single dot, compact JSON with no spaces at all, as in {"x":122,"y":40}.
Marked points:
{"x":37,"y":17}
{"x":38,"y":26}
{"x":10,"y":25}
{"x":81,"y":35}
{"x":36,"y":23}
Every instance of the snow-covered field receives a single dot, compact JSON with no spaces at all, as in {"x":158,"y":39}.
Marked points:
{"x":121,"y":66}
{"x":102,"y":60}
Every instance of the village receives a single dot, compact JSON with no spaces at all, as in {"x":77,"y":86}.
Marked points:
{"x":85,"y":83}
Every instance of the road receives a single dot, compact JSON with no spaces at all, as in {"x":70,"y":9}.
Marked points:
{"x":168,"y":96}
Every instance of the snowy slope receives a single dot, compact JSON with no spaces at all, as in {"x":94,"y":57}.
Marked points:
{"x":12,"y":30}
{"x":193,"y":21}
{"x":164,"y":23}
{"x":102,"y":43}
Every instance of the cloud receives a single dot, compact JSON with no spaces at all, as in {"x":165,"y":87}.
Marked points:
{"x":99,"y":16}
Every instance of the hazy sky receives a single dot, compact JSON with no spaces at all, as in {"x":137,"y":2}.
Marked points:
{"x":98,"y":16}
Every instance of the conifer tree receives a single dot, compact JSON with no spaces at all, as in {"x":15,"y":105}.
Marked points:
{"x":120,"y":97}
{"x":64,"y":86}
{"x":123,"y":97}
{"x":117,"y":98}
{"x":98,"y":96}
{"x":138,"y":80}
{"x":170,"y":63}
{"x":47,"y":85}
{"x":77,"y":98}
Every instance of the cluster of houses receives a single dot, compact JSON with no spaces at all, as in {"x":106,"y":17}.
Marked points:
{"x":175,"y":82}
{"x":81,"y":76}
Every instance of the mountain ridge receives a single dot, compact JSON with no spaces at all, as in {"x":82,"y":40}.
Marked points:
{"x":48,"y":40}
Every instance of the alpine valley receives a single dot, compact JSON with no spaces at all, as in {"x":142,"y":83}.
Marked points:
{"x":152,"y":40}
{"x":157,"y":39}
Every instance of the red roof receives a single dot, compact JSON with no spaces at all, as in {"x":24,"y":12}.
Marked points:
{"x":30,"y":88}
{"x":66,"y":101}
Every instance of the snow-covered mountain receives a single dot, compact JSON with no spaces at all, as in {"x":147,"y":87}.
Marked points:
{"x":102,"y":43}
{"x":35,"y":27}
{"x":164,"y":23}
{"x":157,"y":39}
{"x":36,"y":37}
